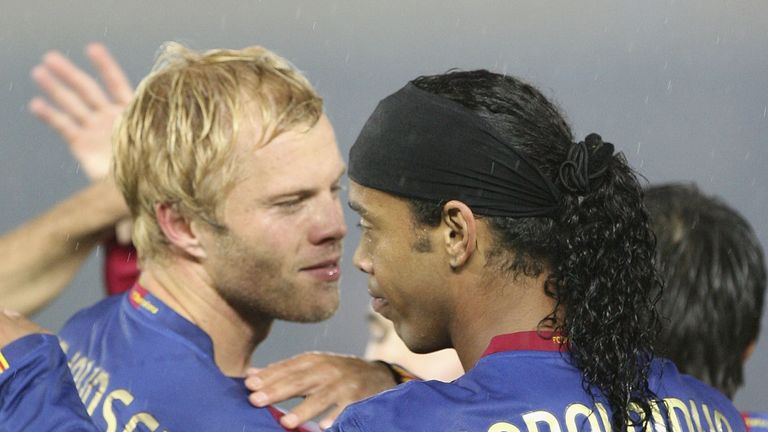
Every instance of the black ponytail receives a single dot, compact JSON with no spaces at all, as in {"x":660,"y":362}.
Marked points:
{"x":606,"y":283}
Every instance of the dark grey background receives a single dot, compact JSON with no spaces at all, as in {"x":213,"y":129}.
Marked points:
{"x":679,"y":86}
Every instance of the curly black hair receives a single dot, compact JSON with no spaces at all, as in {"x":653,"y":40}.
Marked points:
{"x":599,"y":246}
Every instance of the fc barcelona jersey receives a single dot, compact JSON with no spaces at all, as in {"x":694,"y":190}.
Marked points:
{"x":524,"y":383}
{"x":138,"y":365}
{"x":36,"y":388}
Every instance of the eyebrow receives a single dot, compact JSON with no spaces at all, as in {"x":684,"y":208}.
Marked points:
{"x":304,"y":193}
{"x":300,"y":193}
{"x":358,"y":208}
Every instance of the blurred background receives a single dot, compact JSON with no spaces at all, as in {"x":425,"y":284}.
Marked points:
{"x":681,"y":87}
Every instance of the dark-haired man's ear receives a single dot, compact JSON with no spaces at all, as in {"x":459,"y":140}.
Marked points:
{"x":461,"y":233}
{"x":179,"y":231}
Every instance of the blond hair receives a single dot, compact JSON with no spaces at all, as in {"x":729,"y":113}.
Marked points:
{"x":174,"y":143}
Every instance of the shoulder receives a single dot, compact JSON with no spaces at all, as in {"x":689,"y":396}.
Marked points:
{"x":394,"y":409}
{"x":466,"y":403}
{"x":689,"y":398}
{"x":101,"y":310}
{"x":224,"y":406}
{"x":171,"y":393}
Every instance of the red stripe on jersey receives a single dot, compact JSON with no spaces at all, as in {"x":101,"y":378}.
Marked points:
{"x":137,"y":294}
{"x":527,"y":341}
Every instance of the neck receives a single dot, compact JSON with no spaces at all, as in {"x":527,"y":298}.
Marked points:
{"x":186,"y":288}
{"x":496,"y":307}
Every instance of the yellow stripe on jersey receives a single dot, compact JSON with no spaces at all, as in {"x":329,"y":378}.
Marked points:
{"x":3,"y":363}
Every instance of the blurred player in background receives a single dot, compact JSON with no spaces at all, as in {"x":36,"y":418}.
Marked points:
{"x":714,"y":272}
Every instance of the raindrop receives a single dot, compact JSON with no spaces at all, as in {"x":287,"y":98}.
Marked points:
{"x":669,"y":85}
{"x":493,"y":167}
{"x":346,"y":58}
{"x":712,"y":153}
{"x":765,"y":111}
{"x":747,"y":155}
{"x":10,"y":87}
{"x":717,"y":41}
{"x":106,"y":30}
{"x":298,"y":12}
{"x":639,"y":143}
{"x":666,"y":65}
{"x":646,"y":99}
{"x":314,"y":25}
{"x":595,"y":77}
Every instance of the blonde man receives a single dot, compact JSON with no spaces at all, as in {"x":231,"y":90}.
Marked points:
{"x":232,"y":174}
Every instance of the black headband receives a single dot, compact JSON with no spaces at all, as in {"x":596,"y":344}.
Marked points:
{"x":420,"y":145}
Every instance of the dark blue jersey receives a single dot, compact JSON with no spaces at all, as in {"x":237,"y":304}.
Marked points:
{"x":138,"y":364}
{"x":524,"y":383}
{"x":36,"y":388}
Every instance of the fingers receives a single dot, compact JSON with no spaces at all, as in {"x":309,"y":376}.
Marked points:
{"x":79,"y":109}
{"x":314,"y":405}
{"x":54,"y":118}
{"x":294,"y":377}
{"x":83,"y":86}
{"x":63,"y":95}
{"x":77,"y":94}
{"x":283,"y":385}
{"x":258,"y":379}
{"x":328,"y":382}
{"x":111,"y":73}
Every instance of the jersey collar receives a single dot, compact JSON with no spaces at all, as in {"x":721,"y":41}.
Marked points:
{"x":141,"y":303}
{"x":526,"y":341}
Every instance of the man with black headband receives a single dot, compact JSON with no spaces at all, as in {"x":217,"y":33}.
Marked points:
{"x":486,"y":229}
